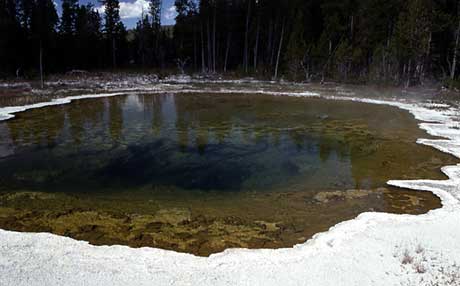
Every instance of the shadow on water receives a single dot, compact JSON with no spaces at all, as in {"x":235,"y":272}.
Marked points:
{"x":219,"y":167}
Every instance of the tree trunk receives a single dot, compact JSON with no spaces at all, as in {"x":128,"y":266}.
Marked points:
{"x":385,"y":54}
{"x":352,"y":27}
{"x":203,"y":64}
{"x":256,"y":47}
{"x":114,"y":57}
{"x":425,"y":64}
{"x":269,"y":46}
{"x":305,"y":63}
{"x":403,"y":75}
{"x":194,"y":48}
{"x":454,"y":59}
{"x":279,"y":51}
{"x":209,"y":46}
{"x":246,"y":39}
{"x":409,"y":71}
{"x":273,"y":47}
{"x":42,"y":82}
{"x":141,"y":40}
{"x":227,"y":50}
{"x":326,"y":66}
{"x":158,"y":34}
{"x":214,"y":41}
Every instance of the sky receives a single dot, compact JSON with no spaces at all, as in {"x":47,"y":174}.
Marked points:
{"x":131,"y":10}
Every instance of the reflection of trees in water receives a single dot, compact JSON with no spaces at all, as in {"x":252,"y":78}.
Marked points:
{"x":245,"y":131}
{"x":157,"y":117}
{"x":37,"y":126}
{"x":205,"y":120}
{"x":348,"y":144}
{"x":84,"y":115}
{"x":199,"y":121}
{"x":116,"y":117}
{"x":21,"y":133}
{"x":356,"y":169}
{"x":297,"y":139}
{"x":202,"y":139}
{"x":94,"y":112}
{"x":76,"y":116}
{"x":183,"y":123}
{"x":182,"y":132}
{"x":54,"y":124}
{"x":204,"y":117}
{"x":325,"y":149}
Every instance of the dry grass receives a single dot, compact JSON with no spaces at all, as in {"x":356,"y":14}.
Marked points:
{"x":431,"y":267}
{"x":407,"y":258}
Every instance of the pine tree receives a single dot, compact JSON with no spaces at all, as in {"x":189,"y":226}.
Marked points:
{"x":43,"y":28}
{"x":66,"y":29}
{"x":69,"y":11}
{"x":143,"y":34}
{"x":88,"y":37}
{"x":296,"y":47}
{"x":185,"y":30}
{"x":26,"y":8}
{"x":11,"y":36}
{"x":112,"y":24}
{"x":413,"y":38}
{"x":155,"y":14}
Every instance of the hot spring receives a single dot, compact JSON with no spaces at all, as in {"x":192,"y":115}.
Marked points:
{"x":200,"y":173}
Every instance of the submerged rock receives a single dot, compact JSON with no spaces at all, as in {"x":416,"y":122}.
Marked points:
{"x":326,"y":197}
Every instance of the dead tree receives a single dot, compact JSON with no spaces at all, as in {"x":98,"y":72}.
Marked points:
{"x":181,"y":63}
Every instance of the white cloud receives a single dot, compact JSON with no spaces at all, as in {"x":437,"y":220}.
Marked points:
{"x":170,"y":13}
{"x":100,"y":10}
{"x":130,"y":10}
{"x":134,"y":9}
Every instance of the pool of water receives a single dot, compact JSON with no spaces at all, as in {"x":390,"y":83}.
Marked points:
{"x":200,"y":173}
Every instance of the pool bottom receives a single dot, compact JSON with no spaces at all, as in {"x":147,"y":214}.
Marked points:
{"x":200,"y":223}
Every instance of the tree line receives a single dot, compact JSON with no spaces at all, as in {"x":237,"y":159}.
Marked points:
{"x":406,"y":42}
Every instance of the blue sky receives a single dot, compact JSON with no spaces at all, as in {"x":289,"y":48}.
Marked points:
{"x":131,"y":10}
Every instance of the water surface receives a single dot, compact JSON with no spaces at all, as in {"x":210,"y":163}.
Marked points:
{"x":203,"y":172}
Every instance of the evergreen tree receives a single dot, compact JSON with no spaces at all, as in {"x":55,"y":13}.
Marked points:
{"x":88,"y":37}
{"x":112,"y":26}
{"x":26,"y":8}
{"x":296,"y":48}
{"x":155,"y":12}
{"x":186,"y":30}
{"x":143,"y":42}
{"x":11,"y":39}
{"x":68,"y":18}
{"x":43,"y":31}
{"x":396,"y":41}
{"x":413,"y":38}
{"x":67,"y":28}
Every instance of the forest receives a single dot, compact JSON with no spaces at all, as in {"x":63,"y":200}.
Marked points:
{"x":400,"y":42}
